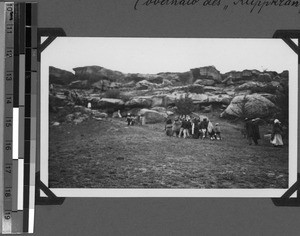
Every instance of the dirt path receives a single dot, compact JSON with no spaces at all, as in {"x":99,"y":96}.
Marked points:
{"x":108,"y":154}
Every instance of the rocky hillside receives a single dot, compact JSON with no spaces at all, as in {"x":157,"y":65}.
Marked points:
{"x":248,"y":93}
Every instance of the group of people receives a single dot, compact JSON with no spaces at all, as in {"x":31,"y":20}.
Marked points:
{"x":187,"y":127}
{"x":131,"y":119}
{"x":252,"y":132}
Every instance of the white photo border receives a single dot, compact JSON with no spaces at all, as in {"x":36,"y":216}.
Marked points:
{"x":212,"y":193}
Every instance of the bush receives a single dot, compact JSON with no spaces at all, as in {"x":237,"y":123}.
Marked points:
{"x":114,"y":93}
{"x":125,"y":97}
{"x":184,"y":105}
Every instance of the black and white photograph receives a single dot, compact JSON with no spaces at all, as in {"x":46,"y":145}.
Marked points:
{"x":169,"y":116}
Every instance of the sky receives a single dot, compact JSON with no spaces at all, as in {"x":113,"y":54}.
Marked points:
{"x":154,"y":55}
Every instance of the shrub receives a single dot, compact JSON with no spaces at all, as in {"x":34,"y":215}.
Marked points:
{"x":184,"y":105}
{"x":114,"y":93}
{"x":125,"y":97}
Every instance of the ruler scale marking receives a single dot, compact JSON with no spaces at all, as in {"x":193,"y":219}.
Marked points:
{"x":19,"y":122}
{"x":8,"y":123}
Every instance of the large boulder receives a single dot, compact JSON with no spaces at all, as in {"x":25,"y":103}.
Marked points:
{"x":221,"y":99}
{"x":166,"y":82}
{"x":193,"y":88}
{"x":205,"y":82}
{"x":249,"y":86}
{"x":264,"y":77}
{"x":156,"y":79}
{"x":82,"y":109}
{"x":158,"y":101}
{"x":99,"y":115}
{"x":102,"y":85}
{"x":56,"y":101}
{"x":257,"y":87}
{"x":79,"y":84}
{"x":185,"y":78}
{"x":284,"y":74}
{"x":139,"y":102}
{"x":76,"y":118}
{"x":208,"y":72}
{"x":59,"y":76}
{"x":130,"y":84}
{"x":210,"y":89}
{"x":199,"y":98}
{"x":133,"y":78}
{"x":159,"y":109}
{"x":152,"y":116}
{"x":250,"y":106}
{"x":273,"y":98}
{"x":106,"y":103}
{"x":96,"y":73}
{"x":145,"y":85}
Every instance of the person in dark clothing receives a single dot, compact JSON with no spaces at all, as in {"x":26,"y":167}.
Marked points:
{"x":252,"y":130}
{"x":203,"y":127}
{"x":168,"y":127}
{"x":176,"y":127}
{"x":195,"y":128}
{"x":129,"y":119}
{"x":189,"y":125}
{"x":218,"y":132}
{"x":185,"y":128}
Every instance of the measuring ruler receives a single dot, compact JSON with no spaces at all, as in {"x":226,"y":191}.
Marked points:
{"x":19,"y":80}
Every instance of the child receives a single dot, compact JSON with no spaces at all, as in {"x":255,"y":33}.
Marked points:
{"x":218,"y":132}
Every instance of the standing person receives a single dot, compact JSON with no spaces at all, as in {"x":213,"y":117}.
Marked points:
{"x":203,"y":127}
{"x":276,"y":138}
{"x":185,"y":128}
{"x":129,"y":119}
{"x":252,"y":131}
{"x":176,"y":126}
{"x":119,"y":114}
{"x":195,"y":128}
{"x":218,"y":131}
{"x":143,"y":119}
{"x":182,"y":119}
{"x":189,"y":126}
{"x":210,"y":130}
{"x":89,"y":105}
{"x":168,"y":127}
{"x":51,"y":88}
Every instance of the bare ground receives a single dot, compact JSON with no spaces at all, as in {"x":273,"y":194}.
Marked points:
{"x":108,"y":154}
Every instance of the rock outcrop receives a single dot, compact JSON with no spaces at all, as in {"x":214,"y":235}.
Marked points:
{"x":59,"y":76}
{"x":206,"y":86}
{"x":250,"y":106}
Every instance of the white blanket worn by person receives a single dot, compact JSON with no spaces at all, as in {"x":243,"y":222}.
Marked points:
{"x":277,"y":140}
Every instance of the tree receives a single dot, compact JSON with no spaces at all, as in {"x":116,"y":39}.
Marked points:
{"x":184,"y":105}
